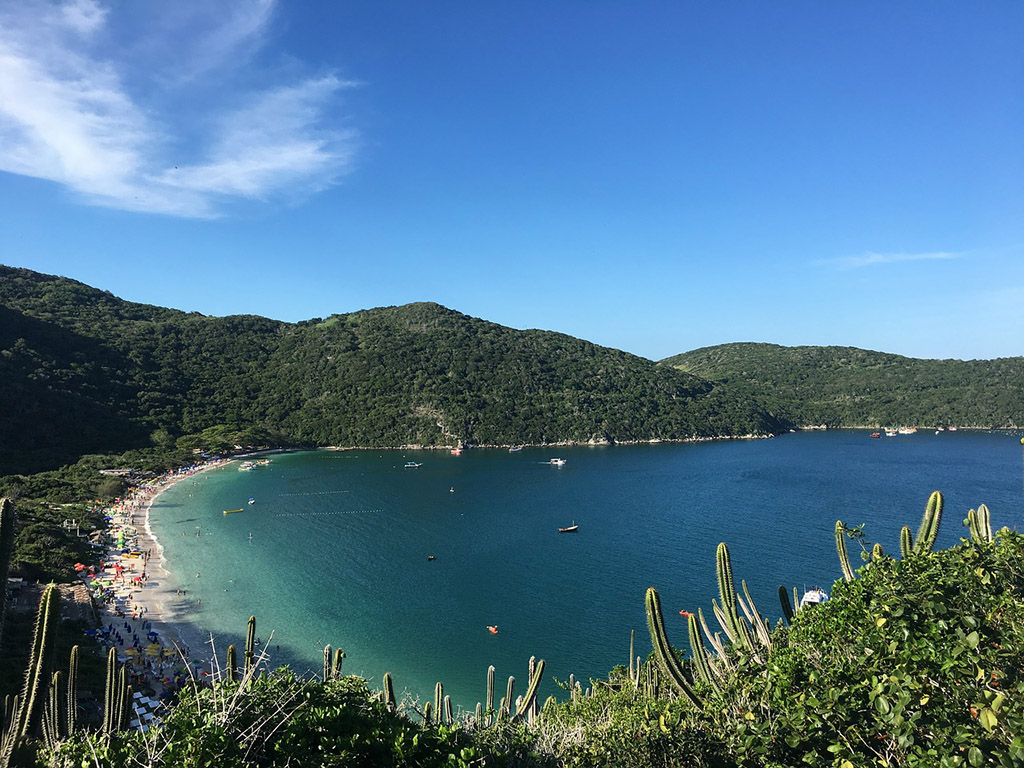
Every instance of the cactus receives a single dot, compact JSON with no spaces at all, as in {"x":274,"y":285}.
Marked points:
{"x":929,"y":524}
{"x":53,"y":719}
{"x":877,"y":553}
{"x":428,"y":713}
{"x":72,"y":700}
{"x":46,"y":620}
{"x":906,"y":542}
{"x":787,"y":606}
{"x":389,"y":690}
{"x":438,"y":700}
{"x":734,"y":626}
{"x":231,"y":665}
{"x":531,"y":692}
{"x":110,"y":692}
{"x":632,"y":650}
{"x":508,"y":701}
{"x":479,"y":716}
{"x":328,"y":668}
{"x":489,"y":705}
{"x":844,"y":558}
{"x":250,"y":646}
{"x":8,"y":518}
{"x":532,"y":667}
{"x":700,"y":653}
{"x":339,"y":657}
{"x":663,"y":649}
{"x":449,"y":716}
{"x":980,"y":524}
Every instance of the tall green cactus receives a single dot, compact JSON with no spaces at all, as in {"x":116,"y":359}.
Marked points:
{"x":250,"y":646}
{"x":231,"y":665}
{"x":526,"y":705}
{"x":737,"y":629}
{"x":906,"y":542}
{"x":389,"y":690}
{"x":663,"y":649}
{"x":508,"y":702}
{"x":110,"y":692}
{"x":449,"y":715}
{"x":929,"y":524}
{"x":339,"y":657}
{"x":844,"y":558}
{"x":8,"y":519}
{"x":72,"y":701}
{"x":787,"y":606}
{"x":700,"y":654}
{"x":54,"y":724}
{"x":328,"y":666}
{"x":438,"y":700}
{"x":489,"y":701}
{"x":877,"y":553}
{"x":980,"y":524}
{"x":428,"y":713}
{"x":39,"y":656}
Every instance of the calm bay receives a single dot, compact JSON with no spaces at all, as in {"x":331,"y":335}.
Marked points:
{"x":335,"y":547}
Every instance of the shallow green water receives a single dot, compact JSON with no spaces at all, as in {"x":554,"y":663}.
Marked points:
{"x":339,"y":543}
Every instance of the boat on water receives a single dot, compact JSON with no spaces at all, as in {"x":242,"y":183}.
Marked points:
{"x":456,"y":451}
{"x":876,"y":434}
{"x":413,"y":464}
{"x":890,"y":432}
{"x":557,"y":462}
{"x":952,"y":429}
{"x":231,"y":511}
{"x":264,"y":462}
{"x":906,"y":430}
{"x":247,"y":466}
{"x":251,"y":501}
{"x":515,"y":449}
{"x":814,"y":596}
{"x":569,"y":529}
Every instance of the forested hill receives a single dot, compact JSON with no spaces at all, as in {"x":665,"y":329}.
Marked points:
{"x":846,"y":386}
{"x":83,"y":371}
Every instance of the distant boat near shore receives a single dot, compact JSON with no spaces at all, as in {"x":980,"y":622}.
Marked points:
{"x":557,"y":462}
{"x":570,"y":528}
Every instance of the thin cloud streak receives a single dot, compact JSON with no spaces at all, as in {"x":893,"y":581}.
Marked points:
{"x":68,"y":116}
{"x":870,"y":259}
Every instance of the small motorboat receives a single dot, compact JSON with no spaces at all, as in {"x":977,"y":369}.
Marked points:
{"x":492,"y":628}
{"x":430,"y":558}
{"x":557,"y":462}
{"x":876,"y":434}
{"x":569,"y":529}
{"x":252,"y":501}
{"x":413,"y":464}
{"x":231,"y":511}
{"x":814,"y":596}
{"x":515,"y":449}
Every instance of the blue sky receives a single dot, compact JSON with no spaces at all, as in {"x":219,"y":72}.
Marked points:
{"x":651,"y":176}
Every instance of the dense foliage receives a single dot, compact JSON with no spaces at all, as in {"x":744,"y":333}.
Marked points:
{"x":849,"y":387}
{"x":84,"y":372}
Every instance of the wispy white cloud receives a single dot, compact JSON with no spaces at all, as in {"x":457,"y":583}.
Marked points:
{"x":68,"y":114}
{"x":871,"y":258}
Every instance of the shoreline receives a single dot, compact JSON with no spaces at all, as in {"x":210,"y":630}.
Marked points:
{"x":141,"y":612}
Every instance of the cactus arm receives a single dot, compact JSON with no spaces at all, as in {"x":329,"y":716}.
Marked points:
{"x":531,"y":691}
{"x":787,"y":607}
{"x":328,"y":668}
{"x":231,"y":665}
{"x":700,"y":653}
{"x":844,"y":558}
{"x":389,"y":690}
{"x":339,"y":657}
{"x":906,"y":542}
{"x":73,"y":690}
{"x":46,"y":620}
{"x":929,"y":524}
{"x":250,"y":645}
{"x":449,"y":716}
{"x":428,"y":713}
{"x":663,"y":649}
{"x":109,"y":692}
{"x":489,"y":702}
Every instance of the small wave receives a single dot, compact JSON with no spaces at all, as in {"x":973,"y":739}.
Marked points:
{"x":311,"y":493}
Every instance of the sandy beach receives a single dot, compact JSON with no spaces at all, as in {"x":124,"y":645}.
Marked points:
{"x":141,"y":611}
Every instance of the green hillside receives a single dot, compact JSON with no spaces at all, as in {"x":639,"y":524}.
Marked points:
{"x":846,"y":386}
{"x":86,"y":372}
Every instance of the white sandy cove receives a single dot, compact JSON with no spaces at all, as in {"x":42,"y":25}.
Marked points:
{"x":135,"y":597}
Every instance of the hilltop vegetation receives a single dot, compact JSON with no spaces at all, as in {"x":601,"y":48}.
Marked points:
{"x":87,"y":372}
{"x":850,"y":387}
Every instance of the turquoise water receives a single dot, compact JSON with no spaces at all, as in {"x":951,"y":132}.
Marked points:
{"x":339,"y":543}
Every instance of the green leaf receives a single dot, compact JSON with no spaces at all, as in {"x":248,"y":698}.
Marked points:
{"x":973,"y":639}
{"x":988,"y":719}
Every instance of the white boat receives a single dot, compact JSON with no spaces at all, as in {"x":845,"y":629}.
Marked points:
{"x":814,"y":596}
{"x":557,"y":462}
{"x":247,"y":466}
{"x":413,"y":464}
{"x":890,"y":432}
{"x":907,"y":430}
{"x":515,"y":449}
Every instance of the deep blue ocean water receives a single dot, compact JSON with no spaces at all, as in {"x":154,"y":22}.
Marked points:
{"x":335,"y":548}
